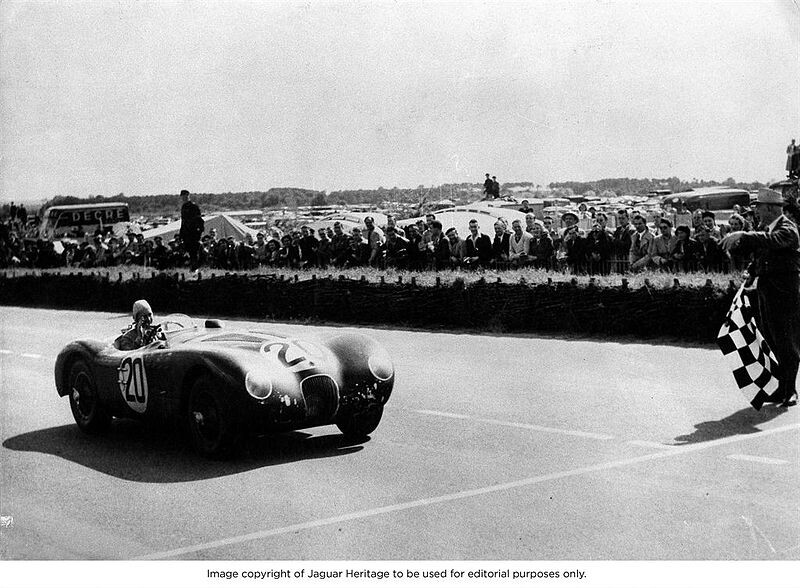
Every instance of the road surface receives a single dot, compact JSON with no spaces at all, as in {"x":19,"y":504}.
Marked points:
{"x":491,"y":448}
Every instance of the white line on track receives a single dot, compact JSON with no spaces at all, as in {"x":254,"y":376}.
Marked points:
{"x":5,"y":352}
{"x":757,"y":459}
{"x":531,"y":427}
{"x":450,"y":415}
{"x":32,"y":355}
{"x":683,"y":449}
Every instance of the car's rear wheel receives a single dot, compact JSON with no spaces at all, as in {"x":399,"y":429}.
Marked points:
{"x":211,"y":419}
{"x":360,"y":424}
{"x":84,"y":401}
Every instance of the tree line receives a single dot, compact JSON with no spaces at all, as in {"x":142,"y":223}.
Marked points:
{"x":275,"y":198}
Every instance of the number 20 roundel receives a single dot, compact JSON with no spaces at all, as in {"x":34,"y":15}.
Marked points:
{"x":133,"y":383}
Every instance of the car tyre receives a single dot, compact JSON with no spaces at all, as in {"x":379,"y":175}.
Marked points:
{"x":211,"y":420}
{"x":90,"y":417}
{"x":359,"y":425}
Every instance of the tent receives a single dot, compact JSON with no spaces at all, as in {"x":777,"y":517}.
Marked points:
{"x":225,"y":225}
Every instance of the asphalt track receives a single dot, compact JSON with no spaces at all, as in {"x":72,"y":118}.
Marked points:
{"x":491,"y":448}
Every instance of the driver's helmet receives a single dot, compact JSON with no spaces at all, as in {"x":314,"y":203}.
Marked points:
{"x":142,"y":312}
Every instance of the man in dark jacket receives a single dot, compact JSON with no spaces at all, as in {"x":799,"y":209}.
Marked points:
{"x":477,"y":248}
{"x":500,"y":243}
{"x":191,"y":228}
{"x":776,"y":247}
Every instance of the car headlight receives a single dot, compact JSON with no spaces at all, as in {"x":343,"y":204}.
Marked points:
{"x":258,"y":384}
{"x":380,"y":364}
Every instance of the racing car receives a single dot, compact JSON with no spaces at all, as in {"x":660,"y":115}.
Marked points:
{"x":225,"y":384}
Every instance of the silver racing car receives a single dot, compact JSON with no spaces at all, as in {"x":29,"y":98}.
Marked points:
{"x":225,"y":384}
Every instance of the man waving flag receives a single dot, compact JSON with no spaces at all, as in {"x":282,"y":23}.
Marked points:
{"x":752,"y":361}
{"x":776,"y":265}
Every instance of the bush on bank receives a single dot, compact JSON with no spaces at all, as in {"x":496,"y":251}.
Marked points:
{"x":649,"y":307}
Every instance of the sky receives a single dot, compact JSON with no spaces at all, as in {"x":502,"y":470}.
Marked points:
{"x":153,"y":97}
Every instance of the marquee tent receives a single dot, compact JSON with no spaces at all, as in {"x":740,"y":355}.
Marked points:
{"x":225,"y":225}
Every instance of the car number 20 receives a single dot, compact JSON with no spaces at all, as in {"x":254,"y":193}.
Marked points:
{"x":133,"y":383}
{"x":293,"y":355}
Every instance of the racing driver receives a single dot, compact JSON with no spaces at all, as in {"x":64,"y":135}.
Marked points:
{"x":142,"y":332}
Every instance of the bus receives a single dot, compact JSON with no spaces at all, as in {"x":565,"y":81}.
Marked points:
{"x":61,"y":221}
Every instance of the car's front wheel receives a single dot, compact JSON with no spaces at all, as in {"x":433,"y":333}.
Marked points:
{"x":84,"y":401}
{"x":358,"y":425}
{"x":211,"y":420}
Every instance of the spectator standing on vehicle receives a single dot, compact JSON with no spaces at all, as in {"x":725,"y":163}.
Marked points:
{"x":477,"y":247}
{"x":192,"y":226}
{"x":488,"y":188}
{"x":495,"y":187}
{"x":776,"y":249}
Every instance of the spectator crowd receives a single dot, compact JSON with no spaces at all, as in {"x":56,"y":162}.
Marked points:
{"x":552,"y":243}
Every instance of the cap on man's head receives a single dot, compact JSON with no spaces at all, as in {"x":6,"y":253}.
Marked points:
{"x":572,"y":214}
{"x":707,"y":214}
{"x":184,"y":192}
{"x":769,"y":196}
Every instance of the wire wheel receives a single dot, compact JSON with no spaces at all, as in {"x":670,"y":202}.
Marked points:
{"x":84,"y":401}
{"x":210,"y":419}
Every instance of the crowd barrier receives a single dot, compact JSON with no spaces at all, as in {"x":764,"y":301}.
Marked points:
{"x":683,"y":312}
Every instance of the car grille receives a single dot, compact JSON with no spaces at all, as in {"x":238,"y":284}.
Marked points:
{"x":321,"y":395}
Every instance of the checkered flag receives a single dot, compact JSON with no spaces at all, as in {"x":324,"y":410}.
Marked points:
{"x":752,"y":361}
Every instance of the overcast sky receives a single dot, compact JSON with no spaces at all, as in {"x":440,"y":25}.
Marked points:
{"x":149,"y":98}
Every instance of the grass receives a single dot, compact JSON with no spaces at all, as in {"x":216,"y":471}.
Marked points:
{"x":650,"y":279}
